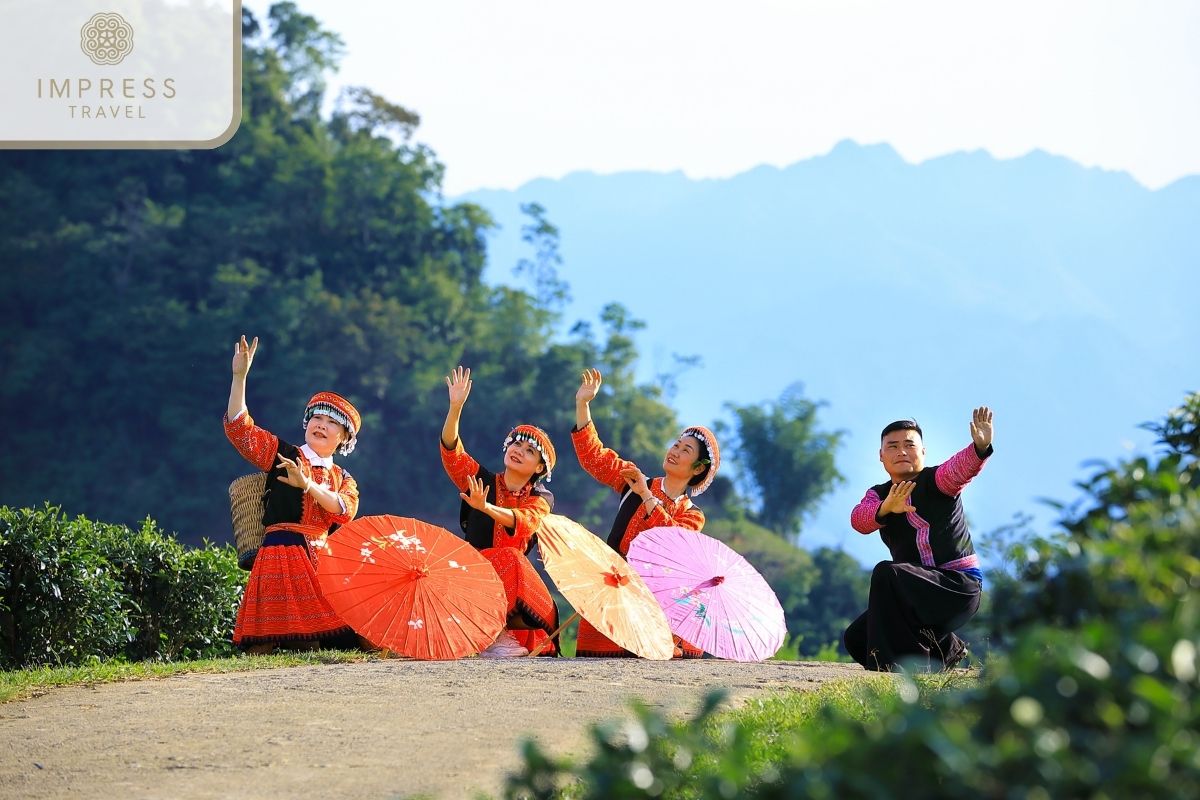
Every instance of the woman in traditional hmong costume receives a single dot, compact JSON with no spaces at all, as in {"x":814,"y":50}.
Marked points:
{"x":503,"y":530}
{"x":690,"y":465}
{"x":307,"y":497}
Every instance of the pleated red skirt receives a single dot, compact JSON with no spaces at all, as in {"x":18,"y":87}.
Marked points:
{"x":283,"y":601}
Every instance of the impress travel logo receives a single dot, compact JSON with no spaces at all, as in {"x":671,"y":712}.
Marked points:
{"x":106,"y":39}
{"x":133,"y":74}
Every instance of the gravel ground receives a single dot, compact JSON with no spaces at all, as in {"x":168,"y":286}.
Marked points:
{"x":378,"y":729}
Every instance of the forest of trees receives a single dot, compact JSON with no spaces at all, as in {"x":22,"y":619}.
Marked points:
{"x":128,"y":275}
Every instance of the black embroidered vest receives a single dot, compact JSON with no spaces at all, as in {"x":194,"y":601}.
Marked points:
{"x":939,"y":527}
{"x":478,"y":527}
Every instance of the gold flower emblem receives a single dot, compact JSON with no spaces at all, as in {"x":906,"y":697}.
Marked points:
{"x":106,"y":38}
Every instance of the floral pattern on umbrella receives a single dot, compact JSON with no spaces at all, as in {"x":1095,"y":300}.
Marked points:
{"x":411,"y":587}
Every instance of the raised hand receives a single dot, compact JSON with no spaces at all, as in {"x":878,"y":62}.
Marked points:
{"x":897,"y":501}
{"x":295,"y":474}
{"x":243,"y":356}
{"x":589,"y":386}
{"x":459,"y":383}
{"x":636,"y":480}
{"x":981,"y":428}
{"x":476,"y":494}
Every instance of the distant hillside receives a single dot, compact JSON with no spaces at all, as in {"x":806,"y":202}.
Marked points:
{"x":1055,"y":293}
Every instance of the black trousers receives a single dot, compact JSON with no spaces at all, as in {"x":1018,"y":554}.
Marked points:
{"x":912,"y":613}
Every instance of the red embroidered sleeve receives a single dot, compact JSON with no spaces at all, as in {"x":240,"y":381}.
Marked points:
{"x":952,"y":476}
{"x":340,"y":483}
{"x":459,"y":466}
{"x":862,"y":518}
{"x":597,"y":460}
{"x":348,"y":494}
{"x":685,"y":515}
{"x":691,"y":518}
{"x":258,"y":446}
{"x":529,"y":513}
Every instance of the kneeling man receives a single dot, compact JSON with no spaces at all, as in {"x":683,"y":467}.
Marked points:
{"x":932,"y":585}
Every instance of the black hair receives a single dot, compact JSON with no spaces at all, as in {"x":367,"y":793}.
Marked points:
{"x":703,"y":457}
{"x":902,"y":425}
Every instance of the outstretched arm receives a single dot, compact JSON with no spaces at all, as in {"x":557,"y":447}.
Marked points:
{"x":589,"y":387}
{"x":459,"y":384}
{"x":599,"y":461}
{"x":243,"y":357}
{"x":256,"y":445}
{"x":458,"y":465}
{"x":953,"y":476}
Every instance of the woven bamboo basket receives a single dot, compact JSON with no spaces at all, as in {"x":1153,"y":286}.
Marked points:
{"x":246,"y":505}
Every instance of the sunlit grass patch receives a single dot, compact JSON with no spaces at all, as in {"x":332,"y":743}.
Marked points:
{"x":19,"y":684}
{"x":715,"y":752}
{"x":768,"y":722}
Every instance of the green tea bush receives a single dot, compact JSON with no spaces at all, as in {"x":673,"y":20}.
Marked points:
{"x":59,"y":604}
{"x":73,"y":590}
{"x":180,"y":601}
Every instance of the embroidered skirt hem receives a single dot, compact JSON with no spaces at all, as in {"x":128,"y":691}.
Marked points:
{"x":283,"y":600}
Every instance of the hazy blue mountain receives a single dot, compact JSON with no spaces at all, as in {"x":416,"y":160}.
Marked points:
{"x":1055,"y":293}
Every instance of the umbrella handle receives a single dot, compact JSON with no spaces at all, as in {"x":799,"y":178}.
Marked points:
{"x":549,"y":638}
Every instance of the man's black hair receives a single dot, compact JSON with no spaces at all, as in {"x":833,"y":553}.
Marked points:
{"x":902,"y":425}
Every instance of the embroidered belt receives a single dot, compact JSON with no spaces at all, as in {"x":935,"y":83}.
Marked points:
{"x":307,"y":531}
{"x":966,"y":562}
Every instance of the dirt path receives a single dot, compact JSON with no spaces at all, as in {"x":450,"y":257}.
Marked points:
{"x":378,"y":729}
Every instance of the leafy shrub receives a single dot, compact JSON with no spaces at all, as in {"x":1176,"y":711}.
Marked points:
{"x":72,"y":590}
{"x":180,"y":601}
{"x":58,"y":602}
{"x":198,"y":616}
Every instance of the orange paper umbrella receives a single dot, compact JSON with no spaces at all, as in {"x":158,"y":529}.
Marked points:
{"x":411,"y":587}
{"x":604,"y":589}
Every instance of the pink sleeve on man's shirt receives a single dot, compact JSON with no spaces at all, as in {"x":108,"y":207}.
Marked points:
{"x":952,"y":476}
{"x":862,"y":518}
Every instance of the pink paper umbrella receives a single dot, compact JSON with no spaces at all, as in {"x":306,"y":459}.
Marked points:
{"x":712,"y":597}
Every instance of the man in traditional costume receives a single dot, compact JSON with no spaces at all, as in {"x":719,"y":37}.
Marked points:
{"x":932,"y":585}
{"x":690,"y":465}
{"x":307,"y":497}
{"x":503,"y":528}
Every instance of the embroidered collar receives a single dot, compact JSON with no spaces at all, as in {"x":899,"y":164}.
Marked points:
{"x":524,"y":490}
{"x":314,"y":459}
{"x":658,"y":486}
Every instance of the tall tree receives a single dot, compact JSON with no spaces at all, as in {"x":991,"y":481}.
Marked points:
{"x":787,"y":461}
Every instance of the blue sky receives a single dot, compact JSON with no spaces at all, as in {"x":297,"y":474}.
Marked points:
{"x":512,"y":91}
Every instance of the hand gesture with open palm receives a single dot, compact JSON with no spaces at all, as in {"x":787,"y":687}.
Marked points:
{"x":476,"y":494}
{"x":459,"y":384}
{"x":243,"y":356}
{"x":981,"y":428}
{"x":589,"y":386}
